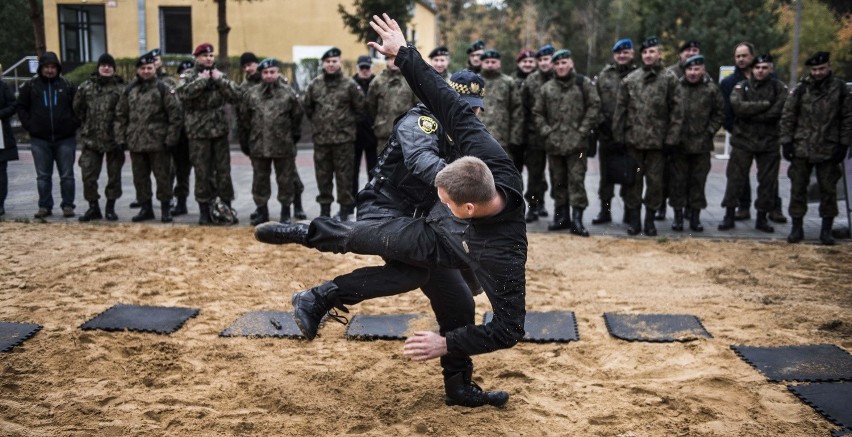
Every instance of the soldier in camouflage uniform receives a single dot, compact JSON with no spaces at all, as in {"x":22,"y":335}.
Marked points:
{"x":181,"y":164}
{"x":439,"y":58}
{"x":474,"y":51}
{"x":525,"y":66}
{"x":608,"y":82}
{"x":566,"y":110}
{"x":504,"y":115}
{"x":148,"y":120}
{"x":697,"y":115}
{"x":535,"y":158}
{"x":388,"y":97}
{"x":248,"y":63}
{"x":273,"y":116}
{"x":687,"y":50}
{"x":757,"y":103}
{"x":641,"y":122}
{"x":94,"y":104}
{"x":334,"y":103}
{"x":816,"y":131}
{"x":204,"y":92}
{"x":162,"y":74}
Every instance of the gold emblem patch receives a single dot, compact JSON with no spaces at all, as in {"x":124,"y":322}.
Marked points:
{"x":474,"y":88}
{"x":427,"y":124}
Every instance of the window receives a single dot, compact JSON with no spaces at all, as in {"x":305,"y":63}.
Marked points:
{"x":82,"y":33}
{"x":176,"y":30}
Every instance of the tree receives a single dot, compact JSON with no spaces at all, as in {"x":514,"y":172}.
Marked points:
{"x":37,"y":18}
{"x":223,"y":29}
{"x":358,"y":23}
{"x":822,"y":30}
{"x":15,"y":32}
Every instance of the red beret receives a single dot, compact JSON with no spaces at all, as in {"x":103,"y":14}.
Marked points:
{"x":525,"y":53}
{"x":203,"y":48}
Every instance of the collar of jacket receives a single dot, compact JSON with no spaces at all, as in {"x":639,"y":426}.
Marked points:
{"x":520,"y":74}
{"x":333,"y":76}
{"x":626,"y":68}
{"x":567,"y":80}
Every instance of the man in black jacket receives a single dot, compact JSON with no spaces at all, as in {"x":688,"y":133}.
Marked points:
{"x":45,"y":108}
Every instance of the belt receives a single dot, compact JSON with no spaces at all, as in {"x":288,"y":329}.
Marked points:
{"x":379,"y":186}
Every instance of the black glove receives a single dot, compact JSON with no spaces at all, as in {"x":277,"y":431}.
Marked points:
{"x":787,"y":151}
{"x":839,"y":154}
{"x":593,"y":145}
{"x":244,"y":144}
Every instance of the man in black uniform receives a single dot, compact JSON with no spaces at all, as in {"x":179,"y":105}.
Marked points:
{"x":365,"y":138}
{"x":483,"y":231}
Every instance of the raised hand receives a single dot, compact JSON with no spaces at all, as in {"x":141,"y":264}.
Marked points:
{"x":391,"y":35}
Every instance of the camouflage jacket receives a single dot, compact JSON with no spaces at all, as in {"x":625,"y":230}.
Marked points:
{"x":697,"y":114}
{"x":758,"y":107}
{"x":529,"y":93}
{"x":248,"y":84}
{"x":166,"y":78}
{"x":148,"y":116}
{"x":526,"y":113}
{"x":204,"y":100}
{"x":608,"y":82}
{"x":643,"y":108}
{"x":334,"y":104}
{"x":388,"y":97}
{"x":274,"y":115}
{"x":503,"y":115}
{"x":816,"y":116}
{"x":676,"y":69}
{"x":565,"y":113}
{"x":94,"y":104}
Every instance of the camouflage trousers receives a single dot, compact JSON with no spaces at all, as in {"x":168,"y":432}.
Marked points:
{"x":606,"y":189}
{"x":827,"y":173}
{"x":91,"y":163}
{"x":737,"y":172}
{"x":145,"y":163}
{"x":333,"y":163}
{"x":181,"y":167}
{"x":536,"y":161}
{"x":568,"y":180}
{"x":689,"y":177}
{"x":211,"y":158}
{"x":649,"y":172}
{"x":261,"y":187}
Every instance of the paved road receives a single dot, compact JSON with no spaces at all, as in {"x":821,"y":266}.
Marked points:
{"x":22,"y":200}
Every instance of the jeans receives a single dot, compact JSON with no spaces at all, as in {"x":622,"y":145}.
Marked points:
{"x":45,"y":153}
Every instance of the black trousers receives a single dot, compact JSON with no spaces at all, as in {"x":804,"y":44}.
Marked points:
{"x":4,"y":182}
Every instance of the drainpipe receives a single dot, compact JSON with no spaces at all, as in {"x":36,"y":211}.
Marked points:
{"x":143,"y":43}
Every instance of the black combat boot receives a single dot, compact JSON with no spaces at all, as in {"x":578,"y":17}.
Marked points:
{"x":605,"y":216}
{"x":695,"y":221}
{"x":93,"y":213}
{"x":777,"y":216}
{"x":560,"y":218}
{"x":136,"y":204}
{"x":146,"y":212}
{"x":204,"y":214}
{"x":825,"y":232}
{"x":261,"y":215}
{"x":687,"y":213}
{"x":285,"y":215}
{"x":660,"y":213}
{"x":344,"y":212}
{"x":109,"y":213}
{"x":797,"y":232}
{"x":166,"y":212}
{"x":677,"y":223}
{"x":180,"y":207}
{"x":278,"y":233}
{"x":743,"y":214}
{"x":532,"y":214}
{"x":634,"y":221}
{"x":461,"y":390}
{"x":298,"y":212}
{"x":577,"y":227}
{"x":650,"y":227}
{"x":310,"y":306}
{"x":728,"y":220}
{"x":325,"y":210}
{"x":762,"y":223}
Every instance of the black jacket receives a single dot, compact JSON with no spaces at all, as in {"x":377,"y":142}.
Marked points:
{"x":45,"y":106}
{"x":7,"y":110}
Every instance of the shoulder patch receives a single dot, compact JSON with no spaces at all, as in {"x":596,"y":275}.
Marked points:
{"x":427,"y":124}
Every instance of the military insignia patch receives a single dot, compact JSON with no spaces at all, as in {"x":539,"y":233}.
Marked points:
{"x":474,"y":87}
{"x":427,"y":124}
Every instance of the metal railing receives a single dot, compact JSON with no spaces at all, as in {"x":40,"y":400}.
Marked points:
{"x":11,"y":74}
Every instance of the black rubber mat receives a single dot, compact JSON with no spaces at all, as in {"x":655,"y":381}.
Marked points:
{"x":841,"y":433}
{"x":655,"y":327}
{"x":551,"y":326}
{"x":160,"y":320}
{"x":380,"y":327}
{"x":263,"y":324}
{"x":808,"y":363}
{"x":831,"y":399}
{"x":13,"y":334}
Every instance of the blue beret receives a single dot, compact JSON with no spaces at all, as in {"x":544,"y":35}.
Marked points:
{"x":561,"y":54}
{"x":268,"y":63}
{"x":622,"y":44}
{"x":693,"y":60}
{"x":545,"y":50}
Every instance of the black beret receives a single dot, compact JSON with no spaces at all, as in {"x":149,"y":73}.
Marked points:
{"x":490,"y":54}
{"x":689,"y":45}
{"x":545,"y":50}
{"x":268,"y":63}
{"x":439,"y":51}
{"x":763,"y":59}
{"x":145,"y":60}
{"x":818,"y":58}
{"x":651,"y":41}
{"x":184,"y":65}
{"x":476,"y":45}
{"x":693,"y":60}
{"x":248,"y":58}
{"x":561,"y":54}
{"x":333,"y":52}
{"x":154,"y":52}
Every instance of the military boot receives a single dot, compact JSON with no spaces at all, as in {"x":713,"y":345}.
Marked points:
{"x":650,"y":227}
{"x":577,"y":227}
{"x":743,"y":214}
{"x":605,"y":216}
{"x":634,"y":219}
{"x":695,"y":221}
{"x":310,"y":306}
{"x":777,"y":216}
{"x":285,"y":215}
{"x":762,"y":223}
{"x":180,"y":207}
{"x":728,"y":220}
{"x":166,"y":212}
{"x":687,"y":213}
{"x":325,"y":210}
{"x":797,"y":231}
{"x":532,"y":214}
{"x":109,"y":213}
{"x":146,"y":212}
{"x":279,"y":233}
{"x":560,"y":218}
{"x":136,"y":204}
{"x":204,"y":214}
{"x":298,"y":212}
{"x":461,"y":390}
{"x":677,"y":223}
{"x":93,"y":213}
{"x":344,"y":212}
{"x":260,"y":215}
{"x":660,"y":213}
{"x":825,"y":232}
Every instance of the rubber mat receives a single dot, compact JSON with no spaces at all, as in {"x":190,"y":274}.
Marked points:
{"x":263,"y":324}
{"x":655,"y":327}
{"x":808,"y":363}
{"x":551,"y":326}
{"x":842,"y":433}
{"x":13,"y":334}
{"x":831,"y":399}
{"x":159,"y":320}
{"x":380,"y":327}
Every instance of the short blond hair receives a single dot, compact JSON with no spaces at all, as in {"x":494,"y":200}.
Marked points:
{"x":467,"y":180}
